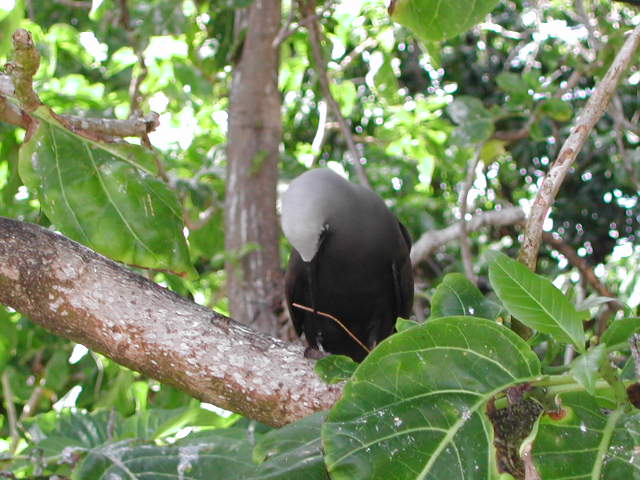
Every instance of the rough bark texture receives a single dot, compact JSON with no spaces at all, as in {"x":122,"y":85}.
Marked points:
{"x":80,"y":295}
{"x":255,"y":130}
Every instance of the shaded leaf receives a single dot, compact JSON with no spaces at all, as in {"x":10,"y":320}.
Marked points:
{"x":556,"y":109}
{"x":294,"y":451}
{"x":585,"y":368}
{"x":535,"y":301}
{"x":588,"y":443}
{"x":456,"y":295}
{"x":222,"y":453}
{"x":415,"y":408}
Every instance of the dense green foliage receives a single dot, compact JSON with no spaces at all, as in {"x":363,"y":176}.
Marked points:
{"x":421,"y":105}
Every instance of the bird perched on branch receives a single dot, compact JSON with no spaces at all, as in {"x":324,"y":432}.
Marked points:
{"x":349,"y":275}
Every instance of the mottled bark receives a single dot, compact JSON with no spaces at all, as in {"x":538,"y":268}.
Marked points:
{"x":255,"y":130}
{"x":80,"y":295}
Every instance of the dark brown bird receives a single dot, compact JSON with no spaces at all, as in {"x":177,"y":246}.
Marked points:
{"x":350,"y":260}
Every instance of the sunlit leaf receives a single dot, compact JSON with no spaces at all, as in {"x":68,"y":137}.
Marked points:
{"x":535,"y":301}
{"x":100,"y":196}
{"x":619,"y":332}
{"x":415,"y":408}
{"x":435,"y":20}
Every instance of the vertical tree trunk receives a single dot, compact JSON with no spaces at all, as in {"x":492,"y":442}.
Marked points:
{"x":255,"y":130}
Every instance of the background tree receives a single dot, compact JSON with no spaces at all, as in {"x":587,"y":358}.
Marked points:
{"x":454,"y":126}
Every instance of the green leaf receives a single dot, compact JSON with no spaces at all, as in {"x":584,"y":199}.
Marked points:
{"x":436,"y":20}
{"x":475,"y":123}
{"x":403,"y":324}
{"x":556,"y":109}
{"x":512,"y":83}
{"x":585,"y":368}
{"x":588,"y":443}
{"x":223,"y":453}
{"x":415,"y":408}
{"x":11,"y":13}
{"x":619,"y":332}
{"x":335,"y":368}
{"x":99,"y":195}
{"x":294,"y":451}
{"x":535,"y":301}
{"x":456,"y":295}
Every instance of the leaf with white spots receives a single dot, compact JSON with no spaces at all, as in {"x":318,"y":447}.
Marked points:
{"x":415,"y":408}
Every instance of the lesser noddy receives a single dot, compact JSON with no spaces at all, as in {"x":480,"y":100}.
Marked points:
{"x":349,"y":275}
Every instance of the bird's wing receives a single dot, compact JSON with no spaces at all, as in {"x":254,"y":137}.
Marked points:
{"x":295,"y":284}
{"x":403,"y":277}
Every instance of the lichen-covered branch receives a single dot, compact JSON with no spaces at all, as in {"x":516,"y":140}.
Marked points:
{"x":591,"y":113}
{"x":18,"y":99}
{"x":80,"y":295}
{"x":22,"y":68}
{"x":429,"y":241}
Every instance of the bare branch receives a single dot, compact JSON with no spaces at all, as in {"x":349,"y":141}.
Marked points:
{"x":580,"y":263}
{"x":430,"y":241}
{"x":22,"y":69}
{"x":323,"y":78}
{"x":80,"y":295}
{"x":591,"y":113}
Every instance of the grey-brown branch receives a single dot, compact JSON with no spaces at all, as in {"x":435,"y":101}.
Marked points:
{"x":85,"y":297}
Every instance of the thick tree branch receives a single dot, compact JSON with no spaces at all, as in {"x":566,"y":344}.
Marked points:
{"x":428,"y":242}
{"x":80,"y":295}
{"x":591,"y":113}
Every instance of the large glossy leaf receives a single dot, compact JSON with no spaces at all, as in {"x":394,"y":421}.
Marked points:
{"x":535,"y":301}
{"x":588,"y":443}
{"x":415,"y":408}
{"x":456,"y":295}
{"x":436,"y":20}
{"x":294,"y":451}
{"x":100,"y":196}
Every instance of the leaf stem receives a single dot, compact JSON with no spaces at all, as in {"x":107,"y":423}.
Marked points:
{"x":607,"y":433}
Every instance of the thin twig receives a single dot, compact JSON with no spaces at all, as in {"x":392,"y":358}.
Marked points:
{"x":331,"y":317}
{"x":634,"y":343}
{"x":12,"y":416}
{"x":431,"y":240}
{"x":30,"y":407}
{"x":591,"y":113}
{"x":323,"y":78}
{"x":465,"y":246}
